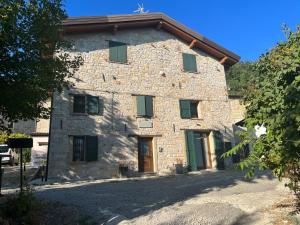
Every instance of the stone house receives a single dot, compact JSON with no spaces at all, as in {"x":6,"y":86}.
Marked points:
{"x":151,"y":97}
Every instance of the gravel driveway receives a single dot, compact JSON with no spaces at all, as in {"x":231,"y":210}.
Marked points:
{"x":209,"y":197}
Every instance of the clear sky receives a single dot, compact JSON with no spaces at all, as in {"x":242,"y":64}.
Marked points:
{"x":246,"y":27}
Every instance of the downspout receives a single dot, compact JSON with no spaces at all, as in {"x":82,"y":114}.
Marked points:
{"x":49,"y":138}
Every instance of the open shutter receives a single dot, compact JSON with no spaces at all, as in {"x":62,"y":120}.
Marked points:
{"x":190,"y":147}
{"x":93,"y":104}
{"x":189,"y":62}
{"x":149,"y":106}
{"x":91,"y":150}
{"x":185,"y":109}
{"x":219,"y":149}
{"x":113,"y":51}
{"x":122,"y":52}
{"x":141,"y":105}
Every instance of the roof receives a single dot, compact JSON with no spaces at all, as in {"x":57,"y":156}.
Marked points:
{"x":114,"y":23}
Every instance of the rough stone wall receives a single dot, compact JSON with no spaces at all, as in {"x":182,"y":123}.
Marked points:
{"x":150,"y":53}
{"x":237,"y":109}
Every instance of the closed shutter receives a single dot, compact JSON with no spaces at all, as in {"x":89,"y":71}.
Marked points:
{"x":141,"y":105}
{"x":122,"y":53}
{"x":117,"y":52}
{"x":219,"y":149}
{"x":185,"y":109}
{"x":189,"y":62}
{"x":79,"y":104}
{"x":113,"y":51}
{"x":91,"y":151}
{"x":93,"y":104}
{"x":190,"y":147}
{"x":149,"y":106}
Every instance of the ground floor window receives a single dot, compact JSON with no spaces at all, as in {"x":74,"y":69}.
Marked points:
{"x":85,"y":148}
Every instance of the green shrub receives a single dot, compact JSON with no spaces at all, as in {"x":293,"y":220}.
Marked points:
{"x":21,"y":208}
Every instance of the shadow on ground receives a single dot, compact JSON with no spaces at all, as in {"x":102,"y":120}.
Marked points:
{"x":136,"y":197}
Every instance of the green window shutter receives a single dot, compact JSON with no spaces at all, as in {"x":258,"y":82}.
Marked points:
{"x":219,"y":149}
{"x":141,"y":105}
{"x":91,"y":150}
{"x":122,"y":53}
{"x":79,"y":104}
{"x":190,"y":148}
{"x":113,"y":51}
{"x":149,"y":106}
{"x":117,"y":52}
{"x":189,"y":62}
{"x":93,"y":104}
{"x":185,"y":109}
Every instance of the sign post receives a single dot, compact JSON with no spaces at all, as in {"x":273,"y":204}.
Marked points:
{"x":20,"y":143}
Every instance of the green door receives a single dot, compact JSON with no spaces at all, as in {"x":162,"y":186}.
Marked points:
{"x":190,"y":148}
{"x":219,"y":149}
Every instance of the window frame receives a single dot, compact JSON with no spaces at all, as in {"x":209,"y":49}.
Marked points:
{"x":183,"y":64}
{"x":86,"y":107}
{"x":121,"y":44}
{"x":85,"y":147}
{"x":145,"y":106}
{"x":191,"y":117}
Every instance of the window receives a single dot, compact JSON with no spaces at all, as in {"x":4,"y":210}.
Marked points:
{"x":87,"y":104}
{"x":117,"y":52}
{"x":144,"y":106}
{"x":189,"y":62}
{"x":85,"y":148}
{"x":188,"y":109}
{"x":79,"y":104}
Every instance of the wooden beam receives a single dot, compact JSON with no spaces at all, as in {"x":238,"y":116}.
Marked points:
{"x":223,"y":60}
{"x":192,"y":43}
{"x":159,"y":25}
{"x":116,"y":26}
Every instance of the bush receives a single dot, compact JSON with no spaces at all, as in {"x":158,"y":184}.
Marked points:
{"x":21,"y":208}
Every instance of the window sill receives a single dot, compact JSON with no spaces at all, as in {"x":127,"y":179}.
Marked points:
{"x":192,"y":72}
{"x":192,"y":118}
{"x":85,"y":114}
{"x":144,"y":117}
{"x":122,"y":63}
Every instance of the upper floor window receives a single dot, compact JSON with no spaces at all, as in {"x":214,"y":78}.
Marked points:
{"x":87,"y":104}
{"x":85,"y":148}
{"x":144,"y":106}
{"x":189,"y":62}
{"x":117,"y":52}
{"x":188,"y":109}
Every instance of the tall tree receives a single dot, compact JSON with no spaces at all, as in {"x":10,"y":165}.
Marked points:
{"x":33,"y":62}
{"x":239,"y":77}
{"x":275,"y":103}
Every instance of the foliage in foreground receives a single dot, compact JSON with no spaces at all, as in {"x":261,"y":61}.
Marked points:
{"x":275,"y":103}
{"x":33,"y":62}
{"x":21,"y":208}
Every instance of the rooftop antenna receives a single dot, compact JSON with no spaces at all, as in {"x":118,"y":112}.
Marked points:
{"x":141,"y":9}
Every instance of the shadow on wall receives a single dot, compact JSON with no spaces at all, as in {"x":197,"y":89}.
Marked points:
{"x":115,"y":147}
{"x":134,"y":198}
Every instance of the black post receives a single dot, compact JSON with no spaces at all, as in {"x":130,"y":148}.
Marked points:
{"x":21,"y":169}
{"x":0,"y":175}
{"x":49,"y":137}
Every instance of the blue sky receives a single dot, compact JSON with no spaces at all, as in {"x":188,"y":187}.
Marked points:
{"x":246,"y":27}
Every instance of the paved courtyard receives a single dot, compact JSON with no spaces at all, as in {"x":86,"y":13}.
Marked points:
{"x":210,"y":197}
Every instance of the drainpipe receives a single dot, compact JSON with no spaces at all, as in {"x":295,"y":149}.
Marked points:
{"x":49,"y":138}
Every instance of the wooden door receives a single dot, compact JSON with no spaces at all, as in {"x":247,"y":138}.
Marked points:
{"x":145,"y":155}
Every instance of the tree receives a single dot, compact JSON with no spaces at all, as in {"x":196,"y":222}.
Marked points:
{"x":32,"y":61}
{"x":239,"y":77}
{"x":275,"y":103}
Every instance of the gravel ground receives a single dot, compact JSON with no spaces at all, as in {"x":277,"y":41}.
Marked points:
{"x":209,"y":197}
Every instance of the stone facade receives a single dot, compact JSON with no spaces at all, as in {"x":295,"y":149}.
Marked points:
{"x":154,"y":68}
